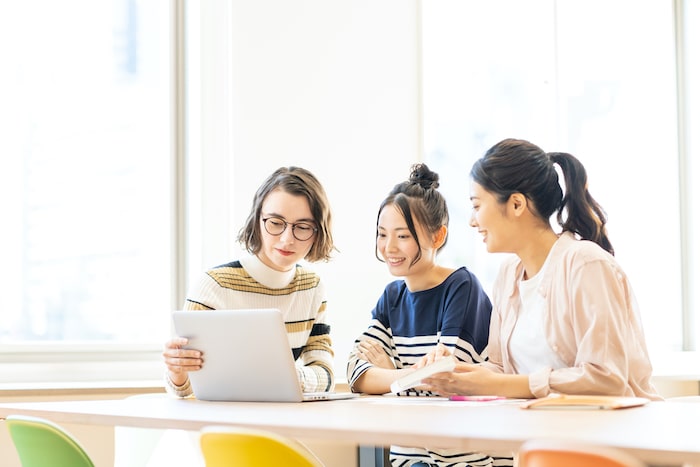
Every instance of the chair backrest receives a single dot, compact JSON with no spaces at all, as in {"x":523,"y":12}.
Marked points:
{"x":557,"y":453}
{"x":41,"y":443}
{"x":226,"y":446}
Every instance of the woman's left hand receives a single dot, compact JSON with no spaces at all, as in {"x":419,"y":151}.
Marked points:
{"x":466,"y":379}
{"x":374,"y":353}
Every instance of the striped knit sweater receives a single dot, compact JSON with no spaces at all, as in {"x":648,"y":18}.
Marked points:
{"x":408,"y":325}
{"x":299,"y":294}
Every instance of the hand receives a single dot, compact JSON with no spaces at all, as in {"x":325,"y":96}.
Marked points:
{"x":466,"y":379}
{"x":374,"y":353}
{"x":438,"y":352}
{"x":180,"y":361}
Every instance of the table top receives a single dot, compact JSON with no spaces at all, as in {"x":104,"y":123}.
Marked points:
{"x":659,"y":432}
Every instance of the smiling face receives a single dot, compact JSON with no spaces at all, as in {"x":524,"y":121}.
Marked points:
{"x":398,"y":248}
{"x":282,"y":252}
{"x":489,"y":217}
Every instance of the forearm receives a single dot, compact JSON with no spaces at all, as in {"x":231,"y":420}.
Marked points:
{"x":509,"y":385}
{"x":183,"y":389}
{"x":316,"y":377}
{"x":378,"y":380}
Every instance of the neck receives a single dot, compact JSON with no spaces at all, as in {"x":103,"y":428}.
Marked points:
{"x":433,"y":277}
{"x":535,"y":253}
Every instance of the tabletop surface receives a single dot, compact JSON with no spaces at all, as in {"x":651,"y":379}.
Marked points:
{"x":659,"y":432}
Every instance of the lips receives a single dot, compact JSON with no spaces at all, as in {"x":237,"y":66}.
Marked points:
{"x":395,"y":261}
{"x":285,"y":252}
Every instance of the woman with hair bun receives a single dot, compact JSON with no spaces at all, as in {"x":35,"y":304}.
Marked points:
{"x":431,"y":305}
{"x":565,"y":319}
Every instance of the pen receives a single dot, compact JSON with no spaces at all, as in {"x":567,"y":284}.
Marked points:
{"x":476,"y":398}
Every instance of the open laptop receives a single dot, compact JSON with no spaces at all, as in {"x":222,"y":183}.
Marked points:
{"x":246,"y":357}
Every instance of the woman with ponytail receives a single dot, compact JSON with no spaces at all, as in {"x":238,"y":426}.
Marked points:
{"x":565,"y":319}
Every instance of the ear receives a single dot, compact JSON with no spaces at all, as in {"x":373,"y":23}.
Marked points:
{"x":517,"y":203}
{"x":439,"y":237}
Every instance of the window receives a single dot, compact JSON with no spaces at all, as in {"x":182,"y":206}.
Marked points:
{"x":567,"y":77}
{"x":85,"y":192}
{"x":89,"y":263}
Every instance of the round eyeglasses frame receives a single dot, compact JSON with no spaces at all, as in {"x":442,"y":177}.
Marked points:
{"x":302,"y":231}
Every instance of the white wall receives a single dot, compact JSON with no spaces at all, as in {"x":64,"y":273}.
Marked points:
{"x":330,"y":86}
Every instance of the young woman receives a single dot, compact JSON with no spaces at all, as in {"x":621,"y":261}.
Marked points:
{"x":290,"y":219}
{"x":565,"y":319}
{"x":432,"y":304}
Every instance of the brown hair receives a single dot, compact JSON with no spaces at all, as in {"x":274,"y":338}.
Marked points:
{"x":300,"y":182}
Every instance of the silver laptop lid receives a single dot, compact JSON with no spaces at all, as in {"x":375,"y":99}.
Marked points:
{"x":246,"y":355}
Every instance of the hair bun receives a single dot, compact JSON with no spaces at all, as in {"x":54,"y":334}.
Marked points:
{"x":423,"y":176}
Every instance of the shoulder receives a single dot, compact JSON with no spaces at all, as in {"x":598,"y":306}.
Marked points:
{"x":306,"y":277}
{"x":460,"y":278}
{"x":461,"y":275}
{"x":394,"y":290}
{"x":228,"y":272}
{"x":575,"y":258}
{"x":573,"y":251}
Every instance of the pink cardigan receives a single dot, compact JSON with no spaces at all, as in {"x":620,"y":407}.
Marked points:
{"x":591,"y":321}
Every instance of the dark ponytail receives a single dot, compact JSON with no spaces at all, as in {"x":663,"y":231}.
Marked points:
{"x":584,"y":216}
{"x":518,"y":166}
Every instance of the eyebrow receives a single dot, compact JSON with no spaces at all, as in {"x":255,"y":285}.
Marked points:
{"x":274,"y":214}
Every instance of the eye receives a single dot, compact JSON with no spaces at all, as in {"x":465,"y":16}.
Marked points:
{"x":304,"y":227}
{"x":276,"y":222}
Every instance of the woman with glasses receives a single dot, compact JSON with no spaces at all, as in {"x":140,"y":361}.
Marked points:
{"x":290,"y":220}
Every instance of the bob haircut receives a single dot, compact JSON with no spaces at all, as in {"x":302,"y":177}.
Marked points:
{"x":299,"y":182}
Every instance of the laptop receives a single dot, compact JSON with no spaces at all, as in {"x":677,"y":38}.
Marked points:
{"x":246,"y":357}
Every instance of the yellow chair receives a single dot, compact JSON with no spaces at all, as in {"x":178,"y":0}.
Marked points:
{"x":41,"y":443}
{"x":558,"y":453}
{"x":227,"y":446}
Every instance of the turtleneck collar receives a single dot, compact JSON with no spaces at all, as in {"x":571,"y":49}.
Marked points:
{"x":266,"y":275}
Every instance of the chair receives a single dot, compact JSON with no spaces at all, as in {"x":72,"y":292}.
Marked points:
{"x":557,"y":453}
{"x":226,"y":446}
{"x":41,"y":443}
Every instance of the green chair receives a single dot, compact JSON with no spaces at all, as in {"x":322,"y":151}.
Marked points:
{"x":41,"y":443}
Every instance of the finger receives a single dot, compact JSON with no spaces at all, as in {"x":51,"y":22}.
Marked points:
{"x":182,"y":353}
{"x":184,"y":364}
{"x":177,"y":342}
{"x":183,"y":369}
{"x":462,"y":367}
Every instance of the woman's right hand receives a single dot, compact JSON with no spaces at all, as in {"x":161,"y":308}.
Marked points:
{"x":180,"y":361}
{"x":438,"y":352}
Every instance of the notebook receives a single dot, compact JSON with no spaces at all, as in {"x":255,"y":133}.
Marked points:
{"x":246,"y":357}
{"x":566,"y":401}
{"x":415,"y":378}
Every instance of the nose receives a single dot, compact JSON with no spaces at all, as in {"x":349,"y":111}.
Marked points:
{"x":390,"y":243}
{"x":472,"y":220}
{"x":288,"y":235}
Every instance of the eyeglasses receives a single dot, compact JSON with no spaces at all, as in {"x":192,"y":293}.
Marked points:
{"x":302,"y":231}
